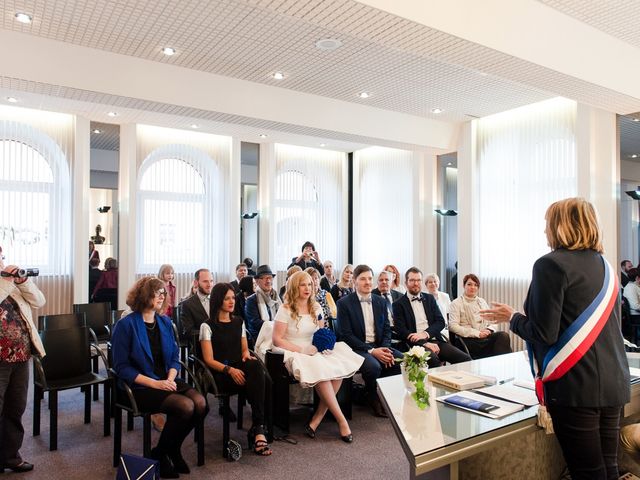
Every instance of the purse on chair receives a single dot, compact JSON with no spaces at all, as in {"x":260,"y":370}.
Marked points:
{"x":137,"y":468}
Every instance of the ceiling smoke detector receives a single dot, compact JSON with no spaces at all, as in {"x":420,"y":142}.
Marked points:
{"x":328,"y":44}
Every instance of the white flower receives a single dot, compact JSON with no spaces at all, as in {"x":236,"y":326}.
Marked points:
{"x":417,"y":351}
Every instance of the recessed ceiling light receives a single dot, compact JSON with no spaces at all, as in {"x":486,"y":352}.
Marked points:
{"x":278,"y":75}
{"x":636,"y":119}
{"x":262,"y":135}
{"x":635,"y":155}
{"x":169,"y":51}
{"x":97,"y":130}
{"x":12,"y":100}
{"x":436,"y":110}
{"x":323,"y":145}
{"x":195,"y":125}
{"x":112,"y":114}
{"x":364,"y":95}
{"x":328,"y":44}
{"x":23,"y":17}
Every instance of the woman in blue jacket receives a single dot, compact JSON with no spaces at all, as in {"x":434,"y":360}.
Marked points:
{"x":145,"y":356}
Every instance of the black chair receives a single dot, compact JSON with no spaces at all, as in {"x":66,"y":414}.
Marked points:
{"x":458,"y":342}
{"x":208,"y":384}
{"x":108,"y":295}
{"x":124,"y":400}
{"x":115,"y":316}
{"x":66,"y":365}
{"x":59,"y":322}
{"x":183,"y":338}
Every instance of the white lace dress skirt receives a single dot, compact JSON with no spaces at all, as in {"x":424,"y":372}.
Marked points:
{"x":342,"y":362}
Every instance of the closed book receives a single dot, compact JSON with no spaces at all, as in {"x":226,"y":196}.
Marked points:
{"x":457,"y":380}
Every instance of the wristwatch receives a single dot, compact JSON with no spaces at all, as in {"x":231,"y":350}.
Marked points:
{"x":226,"y":369}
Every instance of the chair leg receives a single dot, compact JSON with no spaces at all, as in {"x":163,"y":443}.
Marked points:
{"x":53,"y":420}
{"x":87,"y":405}
{"x":225,"y":426}
{"x":146,"y":435}
{"x":107,"y":408}
{"x":117,"y":435}
{"x":200,"y":445}
{"x":129,"y":421}
{"x":239,"y":416}
{"x":96,"y":369}
{"x":37,"y":398}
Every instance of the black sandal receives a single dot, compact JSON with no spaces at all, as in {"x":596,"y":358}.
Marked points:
{"x":261,"y":447}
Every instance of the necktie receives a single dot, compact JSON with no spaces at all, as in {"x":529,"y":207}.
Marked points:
{"x":365,"y":300}
{"x":388,"y":299}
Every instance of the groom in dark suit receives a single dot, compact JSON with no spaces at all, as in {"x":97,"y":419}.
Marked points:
{"x":418,"y":321}
{"x":363,"y":323}
{"x":195,"y":309}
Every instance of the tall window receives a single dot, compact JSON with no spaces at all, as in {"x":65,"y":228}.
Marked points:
{"x":34,"y":193}
{"x":175,"y":211}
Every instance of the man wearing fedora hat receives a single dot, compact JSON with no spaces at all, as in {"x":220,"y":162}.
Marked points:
{"x":261,"y":306}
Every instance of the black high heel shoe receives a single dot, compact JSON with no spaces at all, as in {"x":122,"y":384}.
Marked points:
{"x":259,"y":447}
{"x":179,"y":464}
{"x":347,"y":438}
{"x":167,"y":469}
{"x":311,"y":433}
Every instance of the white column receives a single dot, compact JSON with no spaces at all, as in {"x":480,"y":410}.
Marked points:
{"x":425,"y":233}
{"x":80,"y":214}
{"x":127,"y":181}
{"x":467,"y":203}
{"x":266,"y":180}
{"x":597,"y":150}
{"x":234,"y":203}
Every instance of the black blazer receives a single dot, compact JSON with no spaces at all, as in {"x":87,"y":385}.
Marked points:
{"x":350,"y":322}
{"x":192,"y":314}
{"x":563,"y":284}
{"x":395,"y":295}
{"x":404,"y":320}
{"x":236,"y":287}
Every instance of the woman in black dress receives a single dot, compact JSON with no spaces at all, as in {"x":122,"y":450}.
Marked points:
{"x":225,"y":351}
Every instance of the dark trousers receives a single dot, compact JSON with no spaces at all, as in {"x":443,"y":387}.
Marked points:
{"x":495,"y":344}
{"x":372,"y":370}
{"x":254,"y":387}
{"x":14,"y":384}
{"x":589,"y":440}
{"x":448,"y":353}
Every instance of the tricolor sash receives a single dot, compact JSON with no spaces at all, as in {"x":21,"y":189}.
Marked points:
{"x":576,"y":340}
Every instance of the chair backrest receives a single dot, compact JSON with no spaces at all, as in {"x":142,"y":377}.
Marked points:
{"x":61,"y":321}
{"x":108,"y":295}
{"x":184,"y":337}
{"x":98,"y":318}
{"x":115,"y":316}
{"x":68,"y":353}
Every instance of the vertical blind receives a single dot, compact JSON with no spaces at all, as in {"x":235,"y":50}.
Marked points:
{"x":36,"y":152}
{"x":383,"y":207}
{"x":526,"y":161}
{"x":308,"y":204}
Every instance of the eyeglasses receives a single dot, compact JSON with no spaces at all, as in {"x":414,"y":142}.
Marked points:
{"x":162,"y":291}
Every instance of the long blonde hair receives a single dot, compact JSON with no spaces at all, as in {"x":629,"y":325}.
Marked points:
{"x":340,"y":281}
{"x":572,"y":224}
{"x":292,"y":294}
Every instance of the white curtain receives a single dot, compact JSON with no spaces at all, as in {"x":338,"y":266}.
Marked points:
{"x":182,"y":201}
{"x":36,"y":154}
{"x":309,"y":203}
{"x":526,"y":161}
{"x":383,"y":210}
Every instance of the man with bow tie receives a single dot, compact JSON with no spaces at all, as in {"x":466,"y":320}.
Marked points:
{"x":195,"y":309}
{"x":418,"y":321}
{"x":363,"y":323}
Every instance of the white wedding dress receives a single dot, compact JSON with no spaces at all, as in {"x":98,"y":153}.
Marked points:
{"x":342,"y":362}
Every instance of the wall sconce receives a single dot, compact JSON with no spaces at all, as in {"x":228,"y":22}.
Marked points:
{"x":445,"y":212}
{"x":249,"y":216}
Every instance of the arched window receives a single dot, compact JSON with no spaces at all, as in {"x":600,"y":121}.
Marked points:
{"x":296,"y":208}
{"x":34,"y":193}
{"x":175,"y":209}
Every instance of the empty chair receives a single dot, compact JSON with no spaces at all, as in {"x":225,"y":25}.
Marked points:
{"x":58,"y":322}
{"x":98,"y":319}
{"x":67,"y":365}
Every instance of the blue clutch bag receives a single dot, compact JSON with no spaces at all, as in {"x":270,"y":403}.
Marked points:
{"x":324,"y":339}
{"x":137,"y":468}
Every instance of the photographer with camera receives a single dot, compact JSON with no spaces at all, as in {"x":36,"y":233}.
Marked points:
{"x":18,"y":338}
{"x":308,"y":258}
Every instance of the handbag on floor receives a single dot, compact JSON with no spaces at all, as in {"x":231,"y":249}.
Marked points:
{"x":137,"y":468}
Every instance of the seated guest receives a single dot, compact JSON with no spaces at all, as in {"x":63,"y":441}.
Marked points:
{"x":263,"y":305}
{"x":308,"y":258}
{"x":106,"y":290}
{"x":94,"y":274}
{"x":195,"y":309}
{"x":384,"y":290}
{"x":344,"y":286}
{"x":324,"y":299}
{"x":293,"y":330}
{"x":363,"y":324}
{"x":290,"y":271}
{"x":465,"y":321}
{"x":432,"y":282}
{"x":246,"y":286}
{"x":225,"y":350}
{"x":145,"y":356}
{"x":328,"y":280}
{"x":241,"y":272}
{"x":167,"y":274}
{"x":625,"y":266}
{"x":395,"y":281}
{"x":632,"y":291}
{"x":418,"y":321}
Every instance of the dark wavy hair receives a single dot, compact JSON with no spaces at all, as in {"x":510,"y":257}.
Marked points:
{"x":246,"y":285}
{"x":218,"y":292}
{"x":141,"y":295}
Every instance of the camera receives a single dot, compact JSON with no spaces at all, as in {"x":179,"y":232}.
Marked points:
{"x":22,"y":273}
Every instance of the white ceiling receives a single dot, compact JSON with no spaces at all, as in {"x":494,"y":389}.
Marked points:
{"x":405,"y":66}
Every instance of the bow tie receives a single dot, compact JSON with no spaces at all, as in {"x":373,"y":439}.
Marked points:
{"x":365,"y":300}
{"x":206,"y":299}
{"x":416,"y":299}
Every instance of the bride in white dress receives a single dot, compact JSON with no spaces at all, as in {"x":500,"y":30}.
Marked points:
{"x":293,"y":329}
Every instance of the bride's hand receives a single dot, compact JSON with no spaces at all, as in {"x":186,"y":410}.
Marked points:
{"x":309,"y":350}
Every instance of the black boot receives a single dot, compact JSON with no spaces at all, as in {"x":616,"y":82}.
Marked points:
{"x":166,"y":467}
